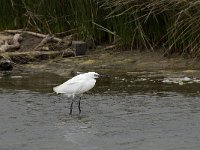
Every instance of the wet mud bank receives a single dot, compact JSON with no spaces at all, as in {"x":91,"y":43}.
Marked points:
{"x":124,"y":63}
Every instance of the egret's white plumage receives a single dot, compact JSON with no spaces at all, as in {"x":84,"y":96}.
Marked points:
{"x":77,"y":85}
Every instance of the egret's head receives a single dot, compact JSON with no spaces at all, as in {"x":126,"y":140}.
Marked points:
{"x":96,"y":75}
{"x":93,"y":75}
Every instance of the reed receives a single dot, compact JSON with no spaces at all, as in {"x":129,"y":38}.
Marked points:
{"x":169,"y":23}
{"x":145,"y":24}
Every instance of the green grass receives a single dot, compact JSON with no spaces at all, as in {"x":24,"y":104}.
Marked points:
{"x":145,"y":24}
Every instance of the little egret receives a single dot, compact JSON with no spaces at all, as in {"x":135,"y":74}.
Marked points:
{"x":77,"y":85}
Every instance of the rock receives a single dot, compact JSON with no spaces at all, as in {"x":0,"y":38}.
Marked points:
{"x":5,"y":64}
{"x":4,"y":47}
{"x":80,"y":47}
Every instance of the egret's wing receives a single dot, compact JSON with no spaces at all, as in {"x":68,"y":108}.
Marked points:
{"x":89,"y":84}
{"x":68,"y":87}
{"x":76,"y":85}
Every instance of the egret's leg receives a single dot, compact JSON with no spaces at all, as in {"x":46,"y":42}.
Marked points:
{"x":79,"y":105}
{"x":71,"y":107}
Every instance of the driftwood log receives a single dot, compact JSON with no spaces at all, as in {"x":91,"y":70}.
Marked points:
{"x":49,"y":38}
{"x":25,"y":57}
{"x":32,"y":33}
{"x":42,"y":48}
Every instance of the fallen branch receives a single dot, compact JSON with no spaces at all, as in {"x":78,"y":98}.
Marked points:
{"x":44,"y":41}
{"x":25,"y":57}
{"x":32,"y":33}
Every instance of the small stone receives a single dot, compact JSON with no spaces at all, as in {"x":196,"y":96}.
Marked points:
{"x":5,"y":64}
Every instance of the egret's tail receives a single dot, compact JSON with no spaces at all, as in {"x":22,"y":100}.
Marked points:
{"x":55,"y":89}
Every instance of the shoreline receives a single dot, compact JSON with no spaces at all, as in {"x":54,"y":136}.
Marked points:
{"x":119,"y":62}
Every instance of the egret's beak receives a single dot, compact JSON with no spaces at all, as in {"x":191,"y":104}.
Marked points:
{"x":103,"y":76}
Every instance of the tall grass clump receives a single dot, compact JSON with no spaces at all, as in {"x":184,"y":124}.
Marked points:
{"x":155,"y":23}
{"x":84,"y":17}
{"x":7,"y":15}
{"x":143,"y":24}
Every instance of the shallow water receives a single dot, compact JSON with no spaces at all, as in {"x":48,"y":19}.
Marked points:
{"x":127,"y":111}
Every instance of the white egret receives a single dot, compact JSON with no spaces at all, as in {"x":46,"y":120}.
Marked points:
{"x":77,"y":85}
